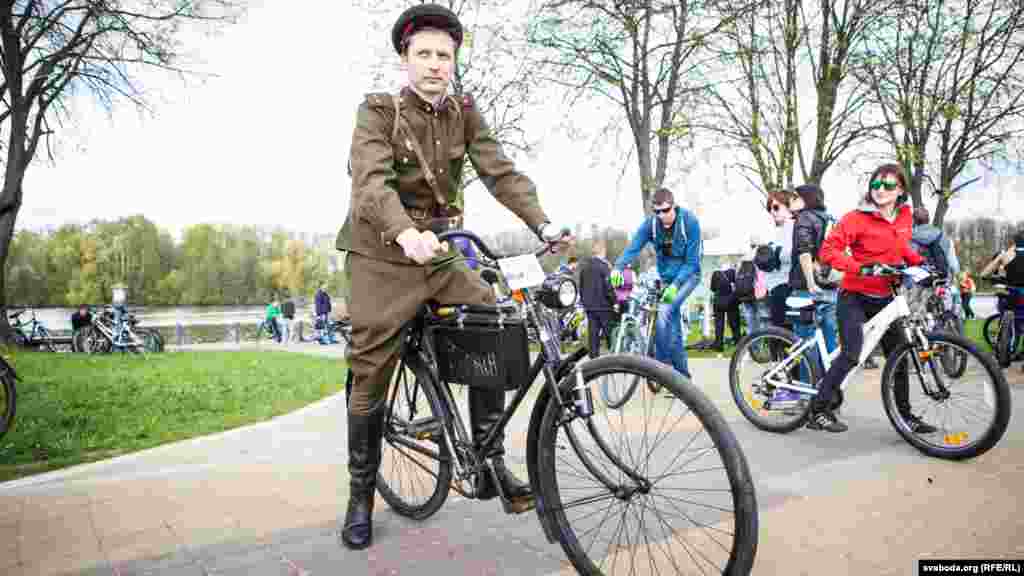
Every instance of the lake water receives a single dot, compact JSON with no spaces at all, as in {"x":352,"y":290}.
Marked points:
{"x":59,"y":319}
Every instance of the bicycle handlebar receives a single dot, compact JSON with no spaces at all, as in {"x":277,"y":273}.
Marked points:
{"x":484,"y":249}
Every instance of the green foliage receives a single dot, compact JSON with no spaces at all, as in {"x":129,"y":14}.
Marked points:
{"x":75,"y":408}
{"x":212,"y":265}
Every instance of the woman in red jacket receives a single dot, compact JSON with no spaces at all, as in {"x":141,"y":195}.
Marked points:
{"x":878,"y":231}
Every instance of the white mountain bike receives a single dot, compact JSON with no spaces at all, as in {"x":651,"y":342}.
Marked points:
{"x":771,"y":360}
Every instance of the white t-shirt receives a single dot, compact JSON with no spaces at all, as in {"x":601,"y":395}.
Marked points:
{"x":784,"y":238}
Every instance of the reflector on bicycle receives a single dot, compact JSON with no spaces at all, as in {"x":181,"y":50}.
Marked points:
{"x":522,"y":271}
{"x":955,"y":439}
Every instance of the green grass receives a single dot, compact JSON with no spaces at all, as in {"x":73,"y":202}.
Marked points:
{"x":75,"y":408}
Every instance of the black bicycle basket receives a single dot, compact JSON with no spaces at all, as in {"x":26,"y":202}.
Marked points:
{"x":482,"y":346}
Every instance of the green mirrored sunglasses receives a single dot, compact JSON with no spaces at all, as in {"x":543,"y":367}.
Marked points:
{"x":887,"y":184}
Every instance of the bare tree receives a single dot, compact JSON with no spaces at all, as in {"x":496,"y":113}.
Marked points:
{"x":649,"y":58}
{"x":759,"y":109}
{"x":948,"y":77}
{"x":54,"y":50}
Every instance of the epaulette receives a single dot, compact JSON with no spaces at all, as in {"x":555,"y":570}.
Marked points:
{"x":379,"y":100}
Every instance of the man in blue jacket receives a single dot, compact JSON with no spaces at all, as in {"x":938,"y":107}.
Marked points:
{"x":674,"y":233}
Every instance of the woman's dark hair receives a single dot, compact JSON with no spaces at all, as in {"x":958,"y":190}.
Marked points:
{"x":783,"y":197}
{"x":812,"y":195}
{"x":885,"y":170}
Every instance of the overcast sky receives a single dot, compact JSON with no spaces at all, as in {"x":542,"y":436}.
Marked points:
{"x":266,"y":143}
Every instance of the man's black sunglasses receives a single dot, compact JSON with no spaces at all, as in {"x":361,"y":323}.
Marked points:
{"x":663,"y":210}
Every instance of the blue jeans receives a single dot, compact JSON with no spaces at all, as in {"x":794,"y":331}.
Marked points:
{"x":754,"y":313}
{"x":825,"y":313}
{"x":669,"y":346}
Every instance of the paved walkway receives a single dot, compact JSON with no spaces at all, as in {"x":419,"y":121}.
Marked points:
{"x":265,"y":500}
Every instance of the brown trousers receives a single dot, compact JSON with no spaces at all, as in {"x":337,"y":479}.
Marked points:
{"x":384,"y":297}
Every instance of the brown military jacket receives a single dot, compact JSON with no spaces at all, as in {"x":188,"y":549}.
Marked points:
{"x":390,"y":191}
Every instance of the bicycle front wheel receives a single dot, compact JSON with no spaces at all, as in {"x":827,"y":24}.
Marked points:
{"x":8,"y":400}
{"x":661,"y":484}
{"x":415,"y":470}
{"x":1004,"y":344}
{"x":761,"y":362}
{"x":962,"y":416}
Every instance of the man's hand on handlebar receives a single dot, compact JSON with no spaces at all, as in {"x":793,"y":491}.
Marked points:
{"x":420,"y":247}
{"x":559,"y":236}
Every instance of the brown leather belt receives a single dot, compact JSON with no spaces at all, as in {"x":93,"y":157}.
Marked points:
{"x":437,"y":220}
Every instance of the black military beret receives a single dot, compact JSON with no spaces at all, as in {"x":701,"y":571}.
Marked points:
{"x":425,"y":16}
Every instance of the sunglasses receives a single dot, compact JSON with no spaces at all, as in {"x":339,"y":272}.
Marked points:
{"x":889,"y":185}
{"x":660,"y":211}
{"x":775,"y":207}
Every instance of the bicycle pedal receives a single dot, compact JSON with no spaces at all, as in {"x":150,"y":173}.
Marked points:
{"x":519,"y":505}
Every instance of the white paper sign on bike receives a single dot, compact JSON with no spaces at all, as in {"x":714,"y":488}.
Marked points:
{"x":522,"y":271}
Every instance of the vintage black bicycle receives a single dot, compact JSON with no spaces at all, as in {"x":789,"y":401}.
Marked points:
{"x":660,"y":484}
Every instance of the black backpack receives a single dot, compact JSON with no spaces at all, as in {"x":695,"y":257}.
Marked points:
{"x":767,"y":258}
{"x":934,"y":255}
{"x":746,"y":277}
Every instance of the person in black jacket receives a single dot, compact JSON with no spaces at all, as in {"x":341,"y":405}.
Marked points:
{"x":597,"y":297}
{"x":726,"y":304}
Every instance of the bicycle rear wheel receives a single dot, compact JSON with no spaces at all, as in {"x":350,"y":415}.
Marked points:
{"x":990,"y":330}
{"x":969,"y":412}
{"x":953,"y":362}
{"x":661,"y":484}
{"x":763,"y":360}
{"x":415,"y":470}
{"x":8,"y":400}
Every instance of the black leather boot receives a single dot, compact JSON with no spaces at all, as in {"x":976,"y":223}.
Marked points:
{"x":364,"y":440}
{"x":485,"y":409}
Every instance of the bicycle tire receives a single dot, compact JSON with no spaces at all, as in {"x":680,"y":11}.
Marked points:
{"x":402,"y":435}
{"x":952,"y":448}
{"x":748,"y":404}
{"x":1004,"y":344}
{"x":990,"y":330}
{"x":734,"y":476}
{"x":10,"y":401}
{"x":624,"y":340}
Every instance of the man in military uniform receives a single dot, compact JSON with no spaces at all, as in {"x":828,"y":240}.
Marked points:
{"x":406,"y":162}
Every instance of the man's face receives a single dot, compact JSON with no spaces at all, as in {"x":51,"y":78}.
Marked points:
{"x":429,"y":60}
{"x":665,"y":213}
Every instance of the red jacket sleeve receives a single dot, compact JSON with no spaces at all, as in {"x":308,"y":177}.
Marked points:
{"x":912,"y":257}
{"x":833,"y":249}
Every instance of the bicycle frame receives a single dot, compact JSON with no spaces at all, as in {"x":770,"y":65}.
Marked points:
{"x":474,"y":459}
{"x":874,"y":330}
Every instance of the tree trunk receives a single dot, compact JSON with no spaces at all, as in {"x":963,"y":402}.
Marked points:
{"x":7,"y":218}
